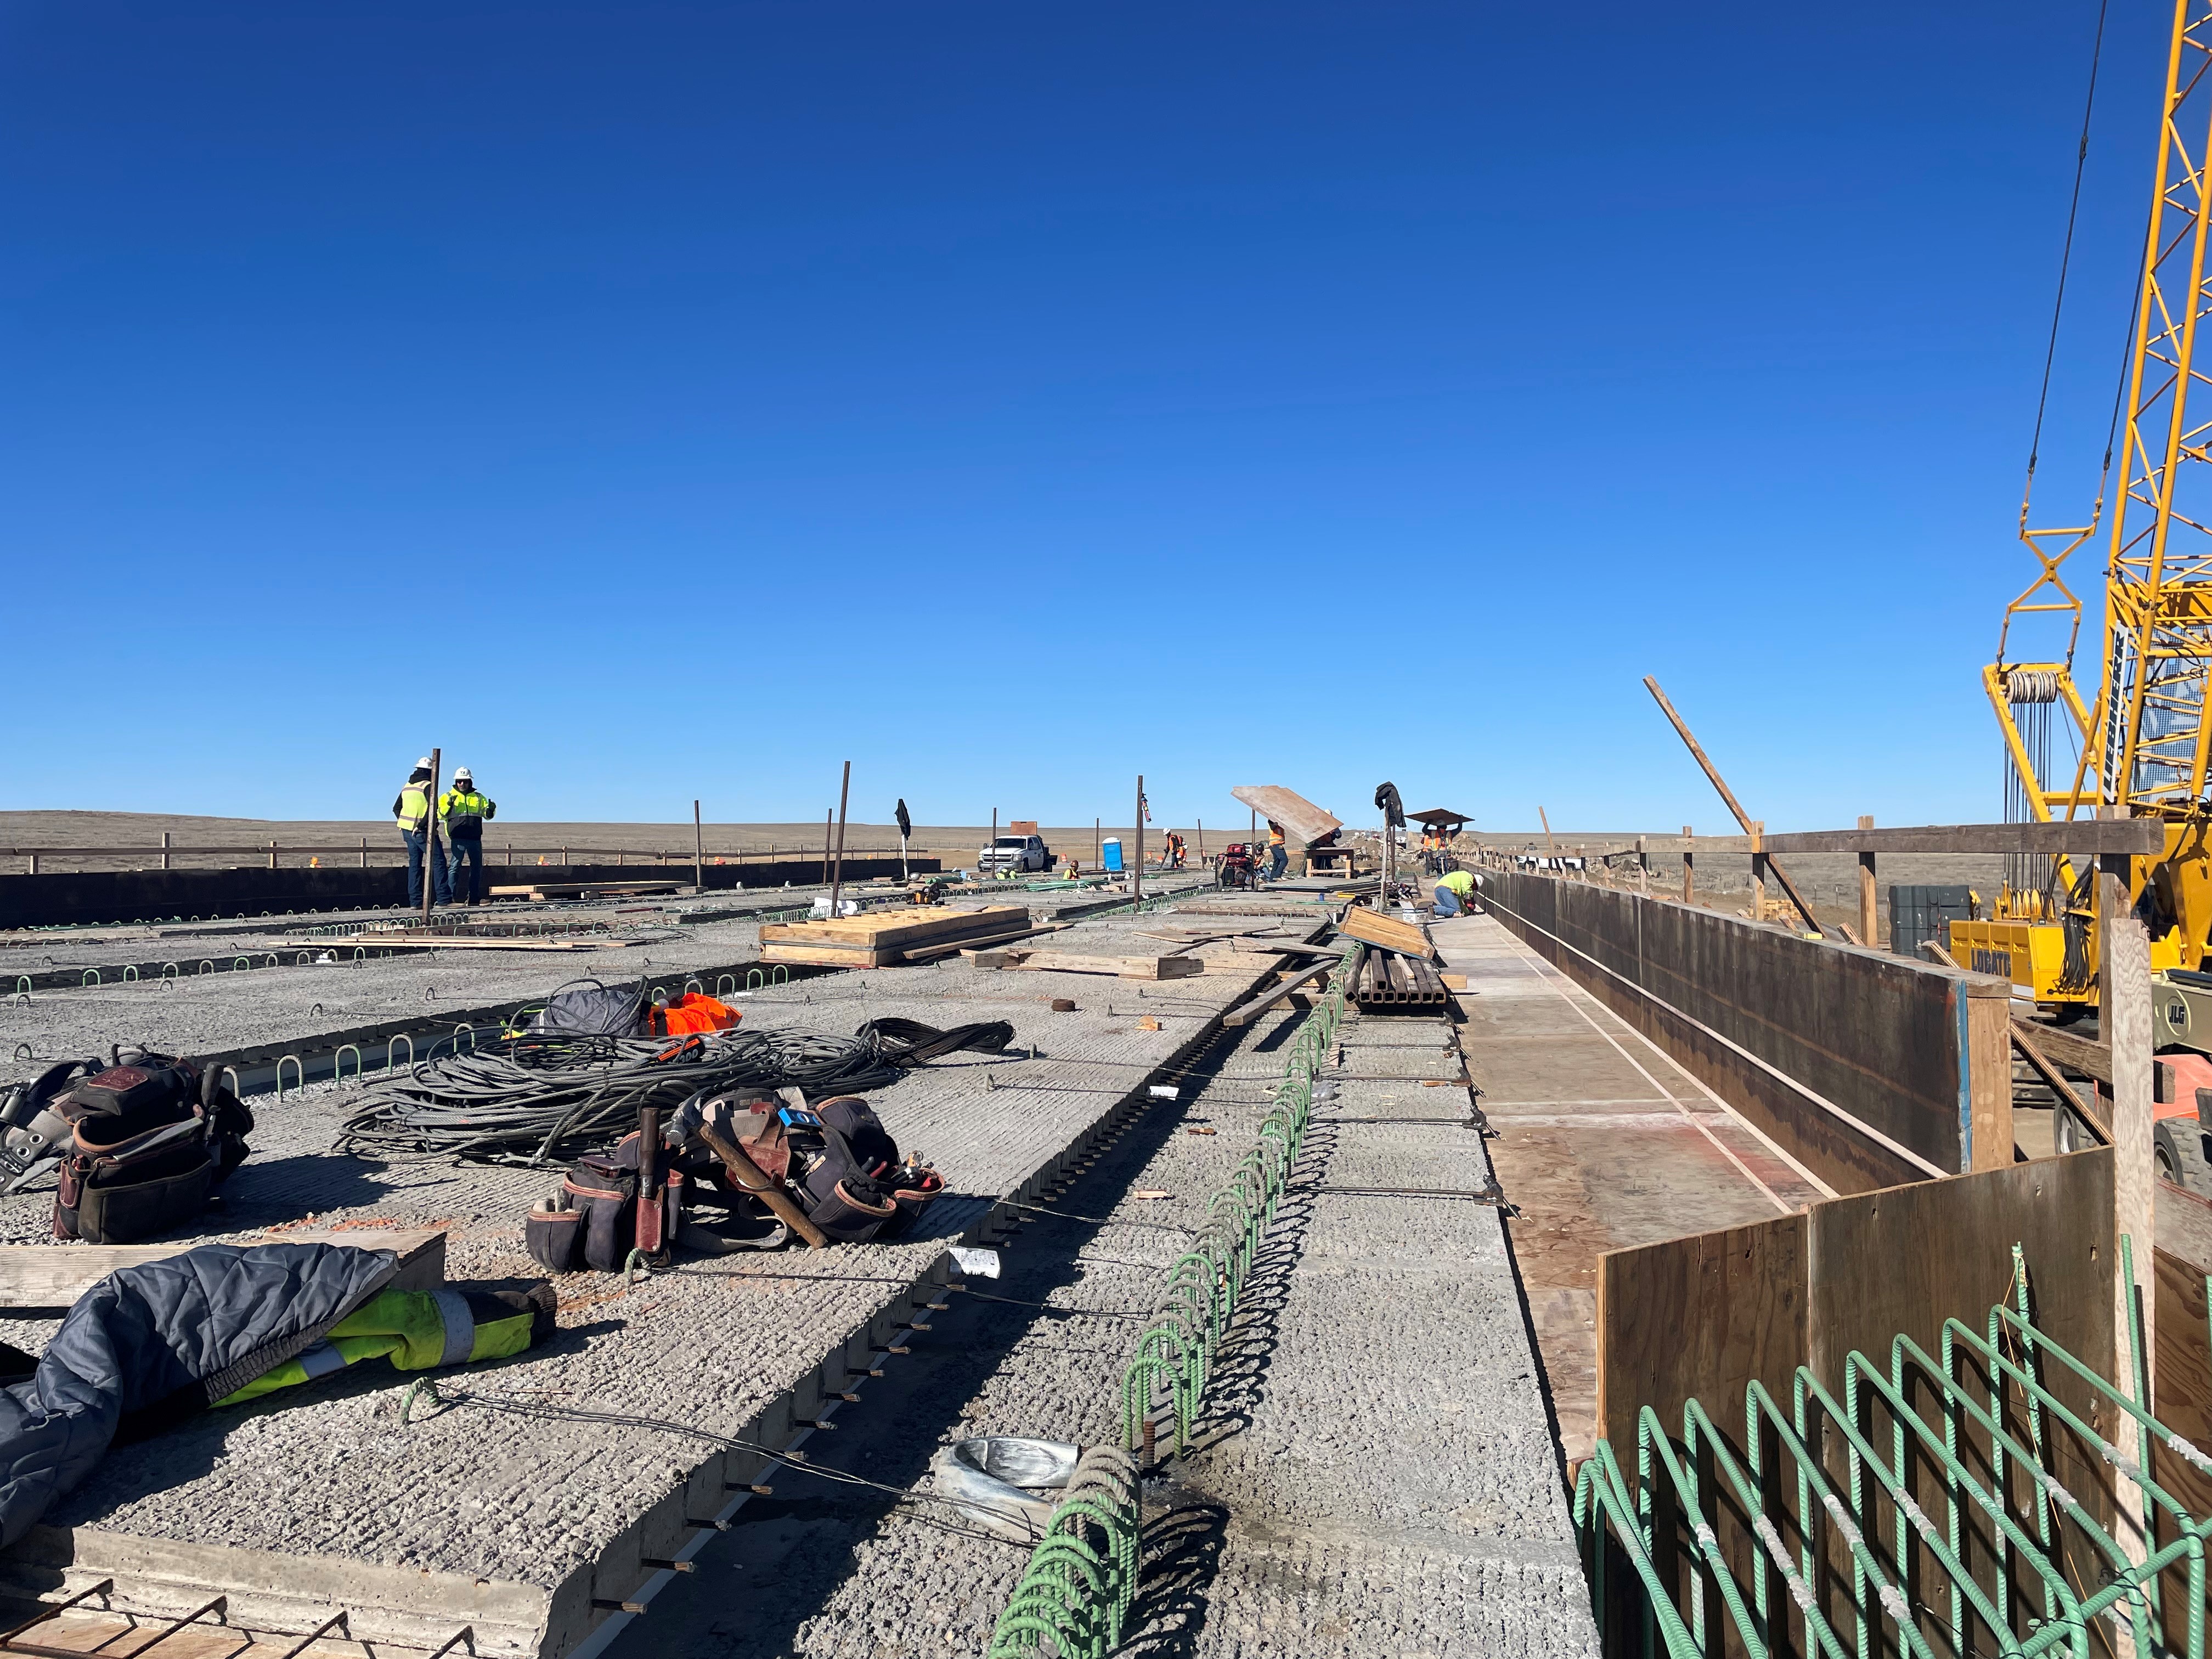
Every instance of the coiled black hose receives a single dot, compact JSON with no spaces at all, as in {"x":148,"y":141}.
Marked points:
{"x":534,"y":1096}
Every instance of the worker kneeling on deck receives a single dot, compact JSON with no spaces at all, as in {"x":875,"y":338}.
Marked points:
{"x":463,"y":813}
{"x":1455,"y":894}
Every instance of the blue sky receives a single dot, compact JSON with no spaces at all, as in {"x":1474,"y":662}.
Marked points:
{"x":650,"y":401}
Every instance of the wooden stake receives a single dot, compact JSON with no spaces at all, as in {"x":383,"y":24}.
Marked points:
{"x":1688,"y":860}
{"x":2125,"y":1022}
{"x":430,"y":837}
{"x":837,"y":870}
{"x":1866,"y":888}
{"x":698,"y":851}
{"x":1758,"y":871}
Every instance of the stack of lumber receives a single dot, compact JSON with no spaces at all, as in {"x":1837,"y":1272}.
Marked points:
{"x":543,"y":892}
{"x":915,"y":934}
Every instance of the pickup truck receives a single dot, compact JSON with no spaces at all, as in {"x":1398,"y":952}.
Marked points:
{"x":1016,"y":853}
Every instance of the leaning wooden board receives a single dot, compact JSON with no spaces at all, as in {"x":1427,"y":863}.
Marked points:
{"x":1392,"y":934}
{"x":45,"y":1278}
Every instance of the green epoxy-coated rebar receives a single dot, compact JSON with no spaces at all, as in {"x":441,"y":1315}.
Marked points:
{"x":1076,"y":1593}
{"x":1979,"y":1423}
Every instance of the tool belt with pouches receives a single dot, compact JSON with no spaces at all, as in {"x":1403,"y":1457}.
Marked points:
{"x":150,"y":1139}
{"x":835,"y":1162}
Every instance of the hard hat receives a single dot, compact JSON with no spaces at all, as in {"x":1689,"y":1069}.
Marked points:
{"x":462,"y":775}
{"x":424,"y":764}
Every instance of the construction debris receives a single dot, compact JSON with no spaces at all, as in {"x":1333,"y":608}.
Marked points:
{"x":1061,"y":962}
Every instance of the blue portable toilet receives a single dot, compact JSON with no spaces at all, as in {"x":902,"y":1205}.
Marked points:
{"x":1112,"y":852}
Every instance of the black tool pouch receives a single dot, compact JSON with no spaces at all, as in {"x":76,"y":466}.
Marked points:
{"x":607,"y":1195}
{"x":555,"y":1237}
{"x":849,"y":1216}
{"x":135,"y":1188}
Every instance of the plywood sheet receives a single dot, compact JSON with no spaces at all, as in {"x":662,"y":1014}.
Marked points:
{"x":35,"y":1278}
{"x":1699,"y":1318}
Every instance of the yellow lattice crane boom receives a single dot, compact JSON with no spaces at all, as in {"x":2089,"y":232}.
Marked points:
{"x":2140,"y":746}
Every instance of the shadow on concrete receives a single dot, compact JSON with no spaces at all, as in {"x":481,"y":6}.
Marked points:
{"x":1181,"y":1553}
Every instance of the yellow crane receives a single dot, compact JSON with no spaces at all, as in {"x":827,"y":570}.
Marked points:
{"x":2141,"y":748}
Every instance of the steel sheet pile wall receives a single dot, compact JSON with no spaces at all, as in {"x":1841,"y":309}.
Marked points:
{"x":1877,"y":1047}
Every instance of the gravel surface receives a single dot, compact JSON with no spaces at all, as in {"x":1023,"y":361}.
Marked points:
{"x":720,"y":1343}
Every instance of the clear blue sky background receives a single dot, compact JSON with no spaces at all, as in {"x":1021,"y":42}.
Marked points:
{"x":651,"y":401}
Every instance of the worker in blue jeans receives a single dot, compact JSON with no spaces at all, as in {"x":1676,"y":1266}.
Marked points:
{"x":1455,"y":894}
{"x":411,"y":809}
{"x":1279,"y":855}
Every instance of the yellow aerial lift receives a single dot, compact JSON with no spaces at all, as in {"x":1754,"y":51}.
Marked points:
{"x":2140,"y":746}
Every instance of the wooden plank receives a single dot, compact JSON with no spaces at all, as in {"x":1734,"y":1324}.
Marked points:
{"x":1387,"y":932}
{"x":1252,"y":1011}
{"x":47,"y":1277}
{"x":1300,"y":818}
{"x":894,"y":929}
{"x":2079,"y":837}
{"x":1988,"y":1060}
{"x":2086,"y":1055}
{"x":2181,"y":1398}
{"x":1061,"y":962}
{"x":570,"y":889}
{"x":2040,"y":1065}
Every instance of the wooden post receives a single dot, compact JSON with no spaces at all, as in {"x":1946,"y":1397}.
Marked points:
{"x":698,"y":850}
{"x":34,"y":864}
{"x":1389,"y":870}
{"x":837,"y":872}
{"x":430,"y":838}
{"x":1688,"y":857}
{"x":272,"y":853}
{"x":992,"y":844}
{"x":1643,"y":867}
{"x":828,"y":821}
{"x":1989,"y":1070}
{"x":1201,"y":843}
{"x":1098,"y":843}
{"x":1867,"y":892}
{"x":1137,"y":886}
{"x":164,"y":849}
{"x":1758,"y":870}
{"x":364,"y":852}
{"x":2124,"y":1023}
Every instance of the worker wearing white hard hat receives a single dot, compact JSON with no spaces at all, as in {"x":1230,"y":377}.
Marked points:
{"x":464,"y":811}
{"x":411,"y":809}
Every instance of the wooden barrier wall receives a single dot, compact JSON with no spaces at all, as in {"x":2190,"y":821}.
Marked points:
{"x":1904,"y":1067}
{"x":1705,"y":1316}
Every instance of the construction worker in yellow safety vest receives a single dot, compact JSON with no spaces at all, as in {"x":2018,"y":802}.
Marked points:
{"x":1279,"y":855}
{"x":411,"y":810}
{"x":463,"y":813}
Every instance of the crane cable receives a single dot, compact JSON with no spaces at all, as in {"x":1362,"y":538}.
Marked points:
{"x":2058,"y":302}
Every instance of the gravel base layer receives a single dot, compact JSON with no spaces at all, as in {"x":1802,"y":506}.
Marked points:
{"x":723,"y":1345}
{"x":1342,"y":1497}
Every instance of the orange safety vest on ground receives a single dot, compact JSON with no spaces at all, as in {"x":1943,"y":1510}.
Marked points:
{"x":694,"y":1013}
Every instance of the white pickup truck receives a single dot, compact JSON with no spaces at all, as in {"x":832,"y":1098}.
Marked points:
{"x":1016,"y":853}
